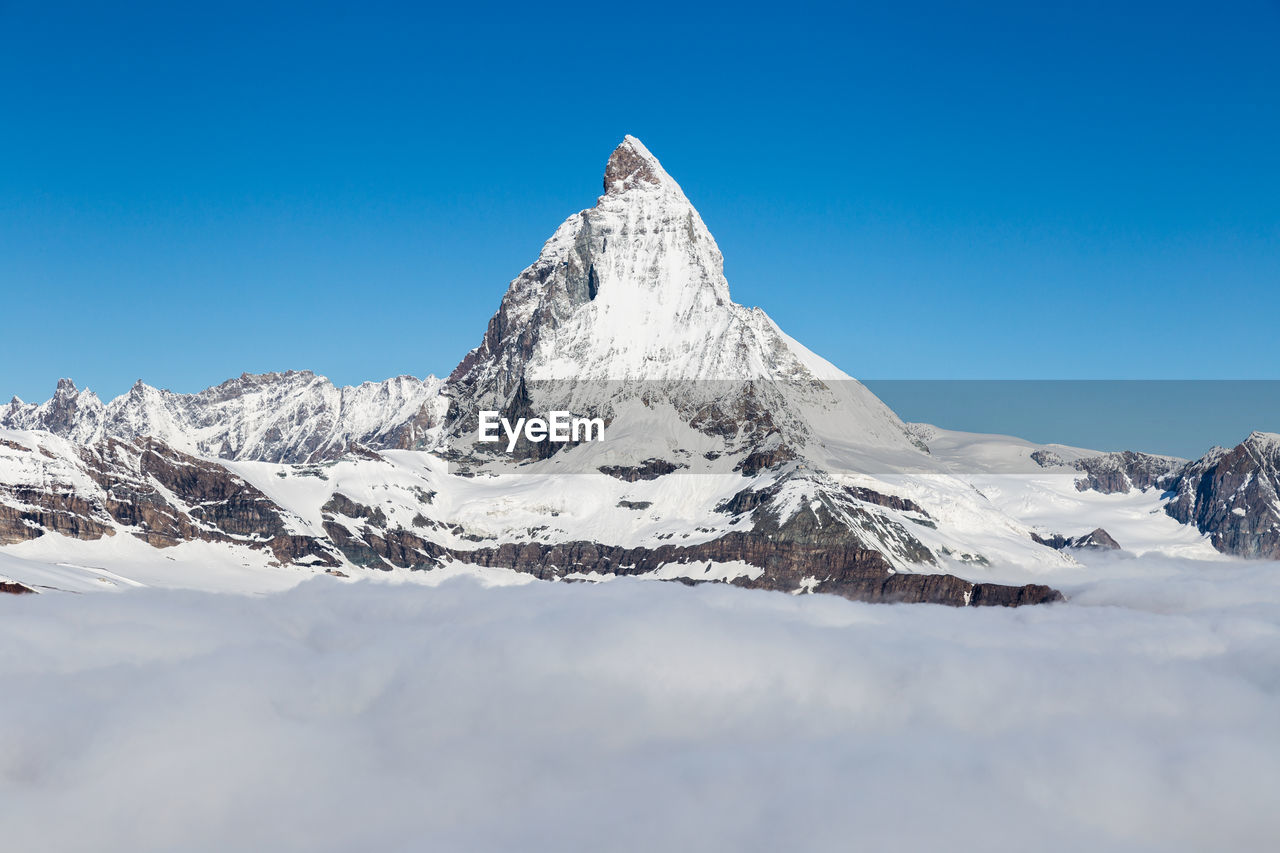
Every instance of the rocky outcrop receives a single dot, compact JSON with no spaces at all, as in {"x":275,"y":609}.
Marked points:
{"x":1046,"y":458}
{"x":629,"y":166}
{"x":13,"y":588}
{"x":1098,"y":539}
{"x":1114,"y":473}
{"x":340,"y":504}
{"x":1232,"y":495}
{"x":27,"y":514}
{"x":649,"y":469}
{"x":771,"y":455}
{"x":891,"y":501}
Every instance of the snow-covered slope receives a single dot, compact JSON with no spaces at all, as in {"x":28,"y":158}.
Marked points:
{"x":1053,"y":490}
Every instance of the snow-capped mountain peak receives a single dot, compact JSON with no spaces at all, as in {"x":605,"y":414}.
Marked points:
{"x":633,"y":291}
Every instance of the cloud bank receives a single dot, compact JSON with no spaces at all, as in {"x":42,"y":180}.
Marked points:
{"x":643,"y":716}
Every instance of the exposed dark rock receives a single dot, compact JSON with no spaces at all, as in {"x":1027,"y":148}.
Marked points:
{"x":1232,"y":496}
{"x":1097,"y":538}
{"x":1000,"y":595}
{"x":764,"y":459}
{"x":625,"y":504}
{"x":748,"y":499}
{"x":833,"y":511}
{"x":13,"y":588}
{"x":27,"y":513}
{"x":1112,"y":473}
{"x":745,"y":408}
{"x":891,"y":501}
{"x":649,"y":469}
{"x":1055,"y":541}
{"x":1046,"y":458}
{"x":61,"y":415}
{"x":343,"y":505}
{"x":627,"y":168}
{"x":355,"y":450}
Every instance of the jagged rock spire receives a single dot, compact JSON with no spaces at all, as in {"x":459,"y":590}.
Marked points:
{"x":630,"y":165}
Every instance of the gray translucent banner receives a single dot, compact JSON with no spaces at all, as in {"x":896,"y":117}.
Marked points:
{"x":1176,"y":417}
{"x":646,"y":429}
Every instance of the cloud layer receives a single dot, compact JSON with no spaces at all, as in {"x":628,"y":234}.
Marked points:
{"x":644,"y":716}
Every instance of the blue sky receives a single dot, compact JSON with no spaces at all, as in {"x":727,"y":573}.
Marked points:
{"x":914,"y":190}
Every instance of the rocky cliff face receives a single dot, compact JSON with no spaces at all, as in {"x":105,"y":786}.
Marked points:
{"x":1232,"y":496}
{"x":1118,"y":473}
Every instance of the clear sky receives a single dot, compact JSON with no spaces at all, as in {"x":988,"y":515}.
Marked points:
{"x":914,"y":190}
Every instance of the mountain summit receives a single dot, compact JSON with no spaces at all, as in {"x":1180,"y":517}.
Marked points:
{"x":630,"y":296}
{"x":630,"y":164}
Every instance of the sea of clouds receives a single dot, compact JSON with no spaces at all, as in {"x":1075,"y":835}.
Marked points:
{"x":639,"y":716}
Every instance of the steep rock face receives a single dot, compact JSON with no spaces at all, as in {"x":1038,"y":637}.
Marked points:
{"x":1232,"y":496}
{"x":29,"y":513}
{"x":292,"y":417}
